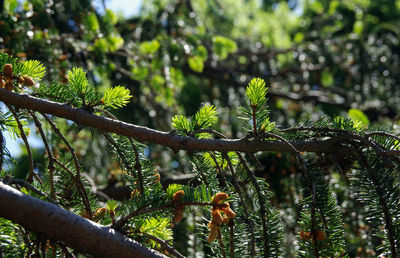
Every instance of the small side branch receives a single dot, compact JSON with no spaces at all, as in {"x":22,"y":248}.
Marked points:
{"x":164,"y":245}
{"x":50,"y":167}
{"x":261,"y":202}
{"x":14,"y":181}
{"x":138,"y":166}
{"x":77,"y":178}
{"x":66,"y":142}
{"x":243,"y":203}
{"x":28,"y":148}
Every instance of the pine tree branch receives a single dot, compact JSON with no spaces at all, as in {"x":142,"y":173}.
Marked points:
{"x":148,"y":135}
{"x":138,"y":166}
{"x":57,"y":223}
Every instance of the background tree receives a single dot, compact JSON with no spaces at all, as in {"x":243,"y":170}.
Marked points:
{"x":313,"y":156}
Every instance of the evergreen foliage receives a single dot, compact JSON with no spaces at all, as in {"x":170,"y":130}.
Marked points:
{"x":321,"y":183}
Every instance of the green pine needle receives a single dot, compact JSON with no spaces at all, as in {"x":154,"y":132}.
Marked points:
{"x":206,"y":117}
{"x":31,"y":68}
{"x":256,"y":91}
{"x":116,"y":97}
{"x":77,"y":79}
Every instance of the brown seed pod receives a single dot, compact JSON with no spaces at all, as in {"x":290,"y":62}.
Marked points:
{"x":28,"y":81}
{"x":219,"y":197}
{"x":9,"y":86}
{"x":178,"y":195}
{"x":9,"y":78}
{"x":305,"y":235}
{"x":2,"y":83}
{"x":8,"y":69}
{"x":21,"y":80}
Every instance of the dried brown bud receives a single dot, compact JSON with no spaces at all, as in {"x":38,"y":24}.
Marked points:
{"x":219,"y":197}
{"x":178,"y":195}
{"x":21,"y":80}
{"x":28,"y":81}
{"x":305,"y":235}
{"x":8,"y":69}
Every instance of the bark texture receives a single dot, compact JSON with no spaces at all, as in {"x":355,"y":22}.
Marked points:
{"x":77,"y":232}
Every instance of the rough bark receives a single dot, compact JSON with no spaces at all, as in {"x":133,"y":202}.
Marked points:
{"x":77,"y":232}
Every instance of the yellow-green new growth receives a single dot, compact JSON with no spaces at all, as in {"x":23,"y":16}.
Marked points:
{"x":116,"y":97}
{"x":256,"y":91}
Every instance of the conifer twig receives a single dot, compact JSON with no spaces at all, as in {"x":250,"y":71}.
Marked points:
{"x":221,"y":244}
{"x":25,"y":139}
{"x":249,"y":222}
{"x":77,"y":177}
{"x":164,"y":245}
{"x":261,"y":202}
{"x":143,"y":210}
{"x":138,"y":166}
{"x":50,"y":166}
{"x":220,"y":172}
{"x":313,"y":222}
{"x":15,"y":181}
{"x":383,"y":202}
{"x":231,"y":240}
{"x":118,"y":150}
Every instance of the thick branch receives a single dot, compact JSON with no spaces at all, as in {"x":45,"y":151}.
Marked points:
{"x":148,"y":135}
{"x":57,"y":223}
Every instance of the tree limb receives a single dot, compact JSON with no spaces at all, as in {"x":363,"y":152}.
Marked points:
{"x":148,"y":135}
{"x":57,"y":223}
